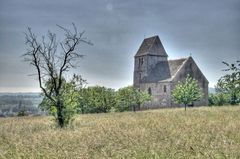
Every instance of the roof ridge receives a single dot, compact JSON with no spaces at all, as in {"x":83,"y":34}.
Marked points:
{"x":183,"y":58}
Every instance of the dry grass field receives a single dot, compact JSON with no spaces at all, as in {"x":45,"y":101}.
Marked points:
{"x":206,"y":132}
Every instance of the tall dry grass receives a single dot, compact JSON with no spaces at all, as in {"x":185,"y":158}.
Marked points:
{"x":207,"y":132}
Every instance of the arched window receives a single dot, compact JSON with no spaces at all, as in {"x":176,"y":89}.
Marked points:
{"x":164,"y":88}
{"x":149,"y":91}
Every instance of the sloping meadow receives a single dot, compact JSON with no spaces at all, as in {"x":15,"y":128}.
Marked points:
{"x":205,"y":132}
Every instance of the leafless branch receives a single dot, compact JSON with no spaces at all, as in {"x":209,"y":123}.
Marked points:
{"x":49,"y":65}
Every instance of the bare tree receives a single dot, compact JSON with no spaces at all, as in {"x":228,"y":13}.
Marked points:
{"x":52,"y":60}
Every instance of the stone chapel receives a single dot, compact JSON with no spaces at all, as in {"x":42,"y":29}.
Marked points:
{"x":157,"y":75}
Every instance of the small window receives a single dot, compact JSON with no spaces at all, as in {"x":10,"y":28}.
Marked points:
{"x":149,"y":91}
{"x":164,"y":88}
{"x":141,"y":61}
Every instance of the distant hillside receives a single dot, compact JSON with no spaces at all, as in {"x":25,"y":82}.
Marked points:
{"x":20,"y":93}
{"x":12,"y":103}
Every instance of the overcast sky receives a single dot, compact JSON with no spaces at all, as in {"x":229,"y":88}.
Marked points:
{"x":208,"y":29}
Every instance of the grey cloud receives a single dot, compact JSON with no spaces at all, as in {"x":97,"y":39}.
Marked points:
{"x":209,"y":29}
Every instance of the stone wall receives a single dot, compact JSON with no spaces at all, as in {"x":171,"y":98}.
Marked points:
{"x":143,"y":65}
{"x":159,"y":97}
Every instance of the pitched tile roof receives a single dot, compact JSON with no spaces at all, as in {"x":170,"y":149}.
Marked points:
{"x":164,"y":70}
{"x":151,"y":46}
{"x":174,"y":65}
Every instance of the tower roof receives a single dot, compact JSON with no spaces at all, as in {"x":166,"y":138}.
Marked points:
{"x":151,"y":46}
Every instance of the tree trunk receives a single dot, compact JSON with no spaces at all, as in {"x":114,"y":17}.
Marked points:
{"x":233,"y":99}
{"x":82,"y":110}
{"x":59,"y":114}
{"x":134,"y":108}
{"x":185,"y":107}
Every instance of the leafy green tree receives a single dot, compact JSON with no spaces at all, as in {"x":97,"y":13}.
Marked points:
{"x":69,"y":96}
{"x":230,"y":83}
{"x":131,"y":97}
{"x":218,"y":99}
{"x":187,"y":92}
{"x":96,"y":100}
{"x":52,"y":59}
